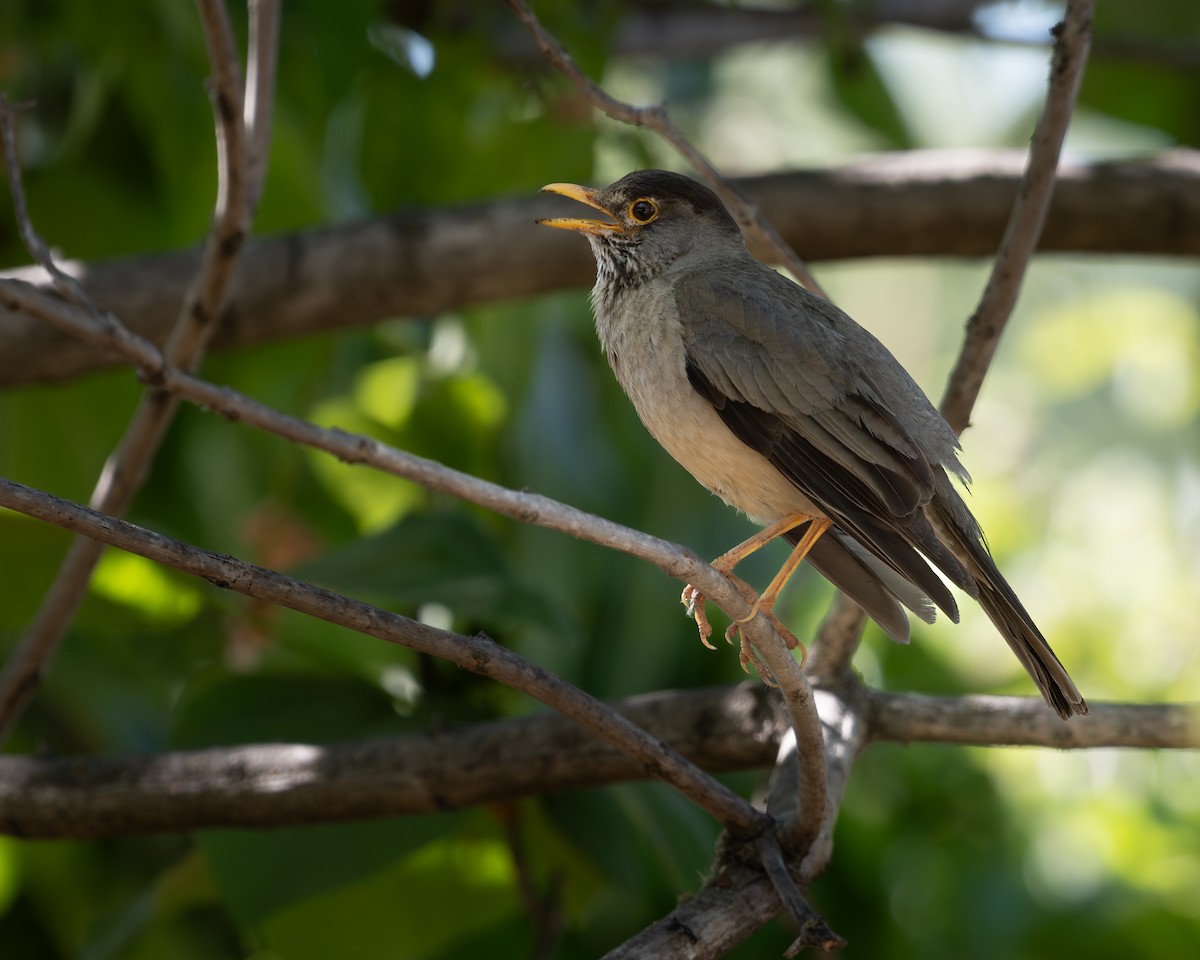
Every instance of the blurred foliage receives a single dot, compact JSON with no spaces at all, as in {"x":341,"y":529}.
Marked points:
{"x":941,"y":852}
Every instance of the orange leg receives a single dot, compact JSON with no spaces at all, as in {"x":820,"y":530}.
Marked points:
{"x":693,"y":599}
{"x":731,"y":558}
{"x":766,"y":601}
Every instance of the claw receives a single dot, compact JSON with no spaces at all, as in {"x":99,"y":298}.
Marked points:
{"x":693,"y":603}
{"x":747,"y":655}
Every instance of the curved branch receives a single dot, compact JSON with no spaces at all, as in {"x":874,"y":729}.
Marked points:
{"x":842,"y":627}
{"x":656,"y":118}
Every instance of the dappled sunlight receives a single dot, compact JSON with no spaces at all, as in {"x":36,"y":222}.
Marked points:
{"x":164,"y":598}
{"x":434,"y":126}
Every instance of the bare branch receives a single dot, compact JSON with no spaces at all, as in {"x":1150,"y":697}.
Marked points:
{"x":127,"y":467}
{"x":810,"y":801}
{"x":203,"y":305}
{"x":271,"y":785}
{"x":1072,"y":40}
{"x":842,"y":628}
{"x":656,"y":118}
{"x":477,"y":654}
{"x":1025,"y":721}
{"x":837,"y":638}
{"x":735,"y":902}
{"x":719,"y":729}
{"x":738,"y":898}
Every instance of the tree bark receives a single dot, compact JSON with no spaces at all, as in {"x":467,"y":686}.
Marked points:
{"x":423,"y":262}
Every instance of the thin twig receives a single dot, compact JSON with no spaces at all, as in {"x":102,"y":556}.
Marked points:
{"x":837,"y":638}
{"x":262,"y":49}
{"x":656,"y":118}
{"x":127,"y":467}
{"x":814,"y":931}
{"x":64,"y":283}
{"x":1072,"y":41}
{"x":202,"y":307}
{"x":477,"y":654}
{"x":543,"y":909}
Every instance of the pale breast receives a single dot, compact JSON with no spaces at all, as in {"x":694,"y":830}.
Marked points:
{"x":645,"y":349}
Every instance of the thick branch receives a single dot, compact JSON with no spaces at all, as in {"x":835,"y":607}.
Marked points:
{"x":420,"y":263}
{"x":720,"y":729}
{"x":1025,"y":721}
{"x":271,"y":785}
{"x":679,"y":31}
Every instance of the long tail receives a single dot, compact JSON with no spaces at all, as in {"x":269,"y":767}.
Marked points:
{"x":958,"y":529}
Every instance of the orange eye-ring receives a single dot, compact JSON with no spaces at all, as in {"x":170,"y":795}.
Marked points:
{"x":643,"y":210}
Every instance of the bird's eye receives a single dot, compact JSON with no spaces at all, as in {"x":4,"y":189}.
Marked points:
{"x":643,"y":211}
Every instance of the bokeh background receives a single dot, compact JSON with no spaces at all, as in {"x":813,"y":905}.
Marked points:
{"x":1085,"y":451}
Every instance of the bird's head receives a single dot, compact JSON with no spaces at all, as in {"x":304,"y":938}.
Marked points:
{"x":657,"y":218}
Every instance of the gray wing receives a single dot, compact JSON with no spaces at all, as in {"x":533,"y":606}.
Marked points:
{"x":800,"y":382}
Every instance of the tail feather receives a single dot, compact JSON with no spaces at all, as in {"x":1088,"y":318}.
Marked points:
{"x":848,"y":570}
{"x":956,"y":526}
{"x":1027,"y":642}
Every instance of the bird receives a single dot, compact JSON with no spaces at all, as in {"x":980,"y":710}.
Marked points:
{"x":791,"y":412}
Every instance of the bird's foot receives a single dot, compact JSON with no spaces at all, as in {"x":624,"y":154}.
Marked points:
{"x":749,"y":655}
{"x":693,"y":602}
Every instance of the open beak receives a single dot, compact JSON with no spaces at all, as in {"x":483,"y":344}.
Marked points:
{"x":597,"y":228}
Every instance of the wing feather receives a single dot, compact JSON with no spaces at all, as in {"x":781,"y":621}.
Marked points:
{"x":789,"y":383}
